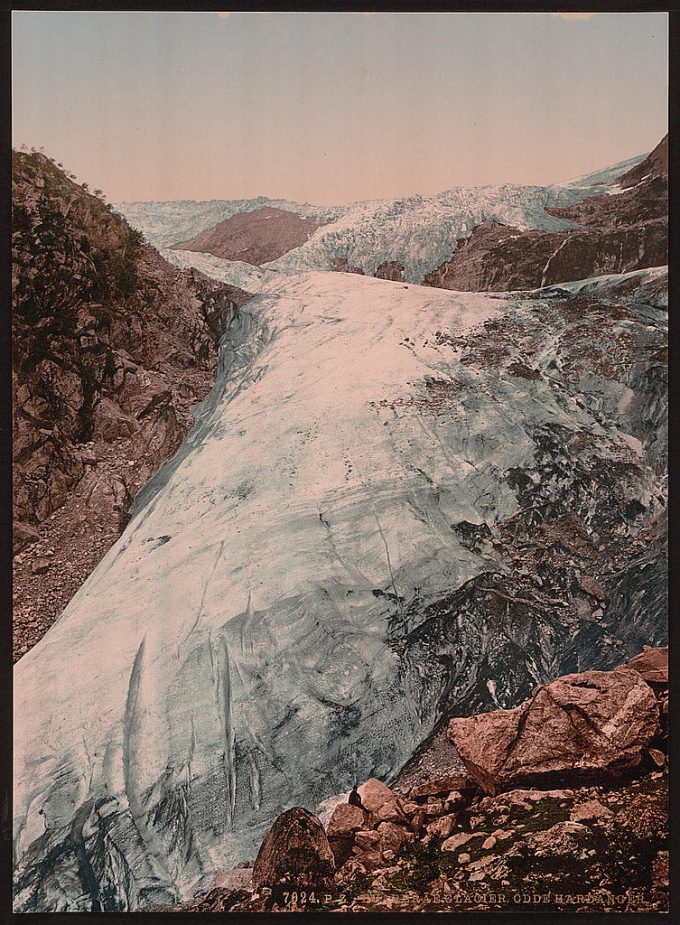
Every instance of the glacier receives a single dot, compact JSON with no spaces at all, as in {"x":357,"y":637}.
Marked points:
{"x":245,"y":276}
{"x":336,"y":558}
{"x":421,"y":232}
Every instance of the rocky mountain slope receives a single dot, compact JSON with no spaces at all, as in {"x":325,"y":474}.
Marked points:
{"x":253,"y":237}
{"x":399,"y":504}
{"x":560,"y":805}
{"x":626,"y":229}
{"x":112,"y":346}
{"x":418,"y":232}
{"x":653,"y":167}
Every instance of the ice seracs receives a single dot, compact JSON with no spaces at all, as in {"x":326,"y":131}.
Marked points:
{"x":418,"y":231}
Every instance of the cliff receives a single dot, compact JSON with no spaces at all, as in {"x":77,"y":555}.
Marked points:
{"x":112,"y":347}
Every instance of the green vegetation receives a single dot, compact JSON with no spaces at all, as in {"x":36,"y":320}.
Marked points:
{"x":69,"y":251}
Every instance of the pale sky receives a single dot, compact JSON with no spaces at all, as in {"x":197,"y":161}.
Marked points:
{"x":331,"y":108}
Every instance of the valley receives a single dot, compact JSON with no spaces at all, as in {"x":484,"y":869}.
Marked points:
{"x":394,"y":504}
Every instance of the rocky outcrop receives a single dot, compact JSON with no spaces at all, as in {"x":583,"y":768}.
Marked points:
{"x":253,"y":237}
{"x":341,"y":265}
{"x":596,"y":844}
{"x":577,"y":727}
{"x":616,"y":233}
{"x":295,"y":852}
{"x":653,"y":167}
{"x":111,"y":348}
{"x":390,"y":269}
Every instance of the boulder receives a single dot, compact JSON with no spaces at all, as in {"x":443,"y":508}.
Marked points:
{"x":457,"y":841}
{"x":590,"y":811}
{"x":374,"y":794}
{"x":433,"y":808}
{"x":598,"y":723}
{"x":522,"y":799}
{"x":442,"y":827}
{"x":562,"y":839}
{"x":295,"y":851}
{"x":23,"y":535}
{"x":651,"y":665}
{"x":366,"y":839}
{"x":391,"y":811}
{"x":441,"y":785}
{"x":392,"y":836}
{"x":345,"y":820}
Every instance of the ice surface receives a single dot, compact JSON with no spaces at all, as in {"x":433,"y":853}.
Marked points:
{"x":422,"y":232}
{"x":603,"y":179}
{"x":595,"y":284}
{"x":234,"y":272}
{"x":197,"y":686}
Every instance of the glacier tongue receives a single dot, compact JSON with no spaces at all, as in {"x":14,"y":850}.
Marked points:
{"x":269,"y":627}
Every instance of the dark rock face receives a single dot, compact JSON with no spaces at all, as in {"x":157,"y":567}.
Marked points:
{"x":496,"y":257}
{"x":111,"y":347}
{"x":578,"y":726}
{"x":390,"y":269}
{"x":295,"y":851}
{"x":614,"y":234}
{"x":656,"y":165}
{"x":254,"y":237}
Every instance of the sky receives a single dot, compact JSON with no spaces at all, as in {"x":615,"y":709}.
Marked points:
{"x":330,"y":108}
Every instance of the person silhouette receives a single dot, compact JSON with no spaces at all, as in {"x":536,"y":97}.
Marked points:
{"x":354,"y":798}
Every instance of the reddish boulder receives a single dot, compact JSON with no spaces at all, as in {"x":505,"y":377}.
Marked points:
{"x":442,"y":827}
{"x":562,"y":839}
{"x":594,"y":723}
{"x":457,"y":841}
{"x":375,"y":794}
{"x":345,"y":820}
{"x":392,"y":836}
{"x":295,"y":851}
{"x":590,"y":811}
{"x":651,"y":665}
{"x":391,"y":811}
{"x":366,"y":839}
